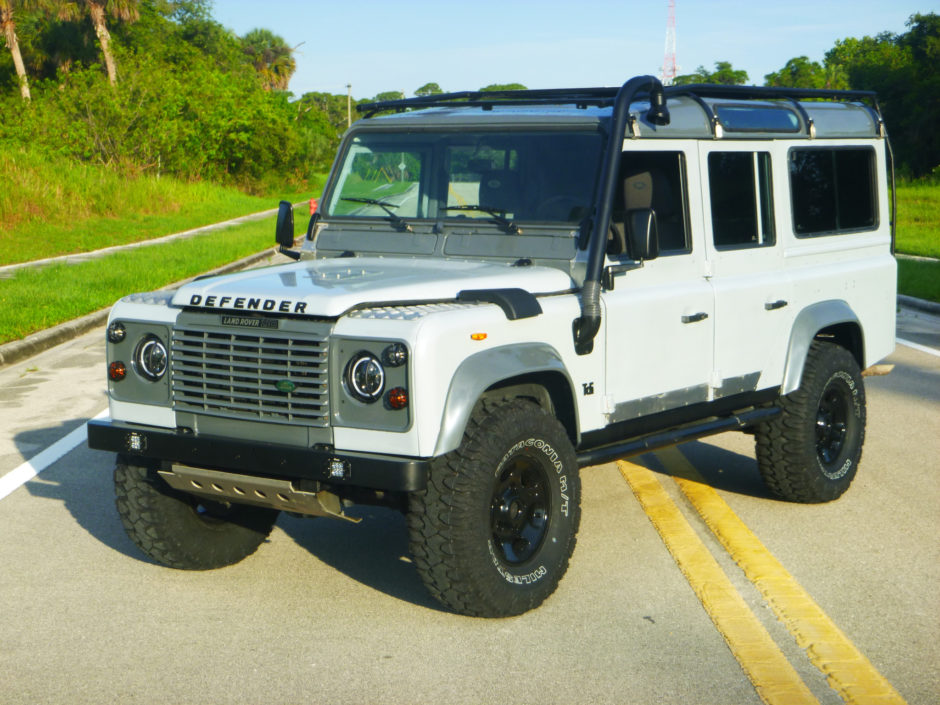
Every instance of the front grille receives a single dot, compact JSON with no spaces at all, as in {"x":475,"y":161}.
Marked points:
{"x":236,"y":375}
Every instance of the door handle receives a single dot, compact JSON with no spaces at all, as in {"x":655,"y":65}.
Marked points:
{"x":695,"y":317}
{"x":774,"y":305}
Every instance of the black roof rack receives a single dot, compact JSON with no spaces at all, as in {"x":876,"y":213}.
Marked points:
{"x":485,"y":99}
{"x":603,"y":97}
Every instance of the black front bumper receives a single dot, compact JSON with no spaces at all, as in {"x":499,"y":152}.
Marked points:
{"x":378,"y":472}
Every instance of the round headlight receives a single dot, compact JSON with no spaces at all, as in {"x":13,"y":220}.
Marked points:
{"x":151,"y":358}
{"x":365,"y":377}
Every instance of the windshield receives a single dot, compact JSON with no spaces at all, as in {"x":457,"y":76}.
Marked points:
{"x":504,"y":178}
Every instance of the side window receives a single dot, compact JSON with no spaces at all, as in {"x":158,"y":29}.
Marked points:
{"x":833,"y":190}
{"x":654,"y":180}
{"x":739,"y":185}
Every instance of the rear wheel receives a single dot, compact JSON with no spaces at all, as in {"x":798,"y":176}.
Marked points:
{"x":183,"y":531}
{"x":811,"y":451}
{"x":492,"y":535}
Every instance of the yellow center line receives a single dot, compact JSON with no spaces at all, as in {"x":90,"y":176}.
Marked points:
{"x":461,"y":201}
{"x":776,"y":681}
{"x":848,"y":671}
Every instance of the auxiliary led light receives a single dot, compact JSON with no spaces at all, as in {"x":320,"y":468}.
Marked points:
{"x":338,"y":468}
{"x":135,"y":442}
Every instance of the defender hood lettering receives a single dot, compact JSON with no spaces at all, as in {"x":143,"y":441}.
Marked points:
{"x":330,"y":287}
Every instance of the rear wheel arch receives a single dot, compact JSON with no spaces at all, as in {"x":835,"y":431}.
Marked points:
{"x":847,"y":335}
{"x":833,"y":321}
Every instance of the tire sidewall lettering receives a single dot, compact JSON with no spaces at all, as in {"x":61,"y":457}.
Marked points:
{"x":553,"y":458}
{"x":844,"y":378}
{"x":529,"y":578}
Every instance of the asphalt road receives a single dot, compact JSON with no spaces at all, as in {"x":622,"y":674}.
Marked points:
{"x":335,"y":613}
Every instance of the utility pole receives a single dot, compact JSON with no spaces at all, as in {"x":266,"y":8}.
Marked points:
{"x":668,"y":74}
{"x":348,"y":104}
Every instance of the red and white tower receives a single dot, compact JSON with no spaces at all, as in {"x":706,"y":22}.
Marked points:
{"x":670,"y":69}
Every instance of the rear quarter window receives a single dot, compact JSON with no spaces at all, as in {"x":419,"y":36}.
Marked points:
{"x":833,"y":190}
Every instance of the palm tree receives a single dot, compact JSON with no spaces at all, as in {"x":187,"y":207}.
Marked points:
{"x":126,"y":10}
{"x":271,"y":56}
{"x":8,"y":23}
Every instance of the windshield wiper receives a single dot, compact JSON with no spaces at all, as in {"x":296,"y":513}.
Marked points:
{"x":396,"y":220}
{"x":498,"y":217}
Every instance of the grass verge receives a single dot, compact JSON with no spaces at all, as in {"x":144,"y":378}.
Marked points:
{"x":918,"y":231}
{"x":919,"y":279}
{"x":35,"y":299}
{"x":52,"y":207}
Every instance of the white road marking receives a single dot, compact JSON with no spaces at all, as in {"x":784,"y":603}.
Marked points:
{"x":35,"y":465}
{"x":918,"y":346}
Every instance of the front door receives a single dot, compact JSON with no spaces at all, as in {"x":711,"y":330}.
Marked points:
{"x":659,"y":317}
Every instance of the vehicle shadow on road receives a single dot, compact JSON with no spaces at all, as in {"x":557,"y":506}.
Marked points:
{"x":720,"y":469}
{"x":82,"y":481}
{"x":373,"y":552}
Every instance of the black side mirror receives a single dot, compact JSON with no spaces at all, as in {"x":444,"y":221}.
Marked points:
{"x":284,"y":234}
{"x":642,"y":234}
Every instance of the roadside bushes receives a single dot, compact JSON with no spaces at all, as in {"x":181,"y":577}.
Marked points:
{"x":190,"y":120}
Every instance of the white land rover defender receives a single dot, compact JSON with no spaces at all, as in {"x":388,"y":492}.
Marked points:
{"x":502,"y":288}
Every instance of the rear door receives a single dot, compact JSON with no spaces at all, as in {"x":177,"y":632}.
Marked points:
{"x":745,"y":264}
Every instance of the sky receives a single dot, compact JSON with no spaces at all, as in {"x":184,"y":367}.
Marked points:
{"x":384,"y":45}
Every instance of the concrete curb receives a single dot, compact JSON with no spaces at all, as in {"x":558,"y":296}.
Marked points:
{"x":919,"y":304}
{"x":915,"y":258}
{"x":10,"y":269}
{"x":33,"y":344}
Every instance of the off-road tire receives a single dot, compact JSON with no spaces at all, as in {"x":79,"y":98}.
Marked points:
{"x":492,"y":534}
{"x":180,"y":530}
{"x":811,"y":451}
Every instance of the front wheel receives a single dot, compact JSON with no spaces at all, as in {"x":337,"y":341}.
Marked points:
{"x":492,"y":534}
{"x":810,"y":452}
{"x":180,"y":530}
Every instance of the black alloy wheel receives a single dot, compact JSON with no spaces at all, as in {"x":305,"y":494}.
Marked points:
{"x":520,"y":510}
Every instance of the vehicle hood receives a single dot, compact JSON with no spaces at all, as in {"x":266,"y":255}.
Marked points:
{"x":329,"y":287}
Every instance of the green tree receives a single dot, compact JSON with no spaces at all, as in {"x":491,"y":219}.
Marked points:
{"x":503,"y":87}
{"x":322,"y":121}
{"x":724,"y":74}
{"x":428,"y":89}
{"x":271,"y":56}
{"x":872,"y":62}
{"x":799,"y":72}
{"x":388,"y":95}
{"x":98,"y":10}
{"x":8,"y":24}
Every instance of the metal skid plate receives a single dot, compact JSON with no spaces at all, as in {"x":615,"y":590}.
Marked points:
{"x":260,"y":491}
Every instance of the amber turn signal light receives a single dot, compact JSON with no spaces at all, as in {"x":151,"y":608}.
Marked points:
{"x":117,"y":371}
{"x":397,"y":398}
